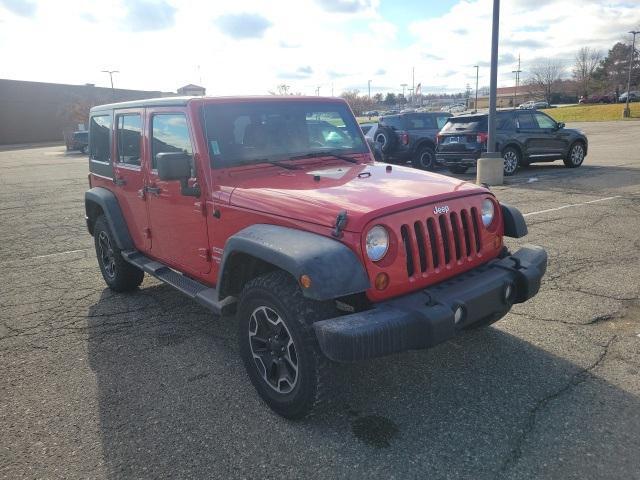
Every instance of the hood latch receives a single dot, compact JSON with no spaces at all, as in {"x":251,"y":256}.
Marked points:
{"x":341,"y":222}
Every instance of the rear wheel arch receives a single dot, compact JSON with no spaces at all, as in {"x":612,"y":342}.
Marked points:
{"x":93,"y":211}
{"x":108,"y":203}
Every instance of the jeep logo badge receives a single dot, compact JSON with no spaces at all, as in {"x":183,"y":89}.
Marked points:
{"x":438,"y":210}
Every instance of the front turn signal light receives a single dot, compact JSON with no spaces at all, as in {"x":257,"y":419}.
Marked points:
{"x":382,"y":281}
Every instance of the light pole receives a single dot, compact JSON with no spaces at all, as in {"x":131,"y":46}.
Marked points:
{"x":490,"y":169}
{"x":627,"y":112}
{"x":369,"y":86}
{"x":111,"y":72}
{"x":318,"y":91}
{"x":517,"y":72}
{"x":475,"y":105}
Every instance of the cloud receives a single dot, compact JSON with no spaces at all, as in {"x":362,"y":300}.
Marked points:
{"x":507,"y":58}
{"x":285,"y":44}
{"x":300,"y":73}
{"x":460,"y":31}
{"x":346,"y":6}
{"x":524,"y":43}
{"x":380,"y":71}
{"x":333,"y":74}
{"x":148,"y":15}
{"x":24,"y":8}
{"x":243,"y":25}
{"x":431,"y":56}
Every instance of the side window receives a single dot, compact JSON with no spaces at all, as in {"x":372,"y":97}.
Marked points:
{"x":394,"y":122}
{"x":505,"y":123}
{"x":441,"y":120}
{"x":128,"y":138}
{"x":99,"y":128}
{"x":526,"y":120}
{"x":419,"y":122}
{"x":169,"y":133}
{"x":544,"y":121}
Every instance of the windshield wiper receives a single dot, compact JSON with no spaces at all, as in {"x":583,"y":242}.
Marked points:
{"x":325,"y":154}
{"x":277,"y":163}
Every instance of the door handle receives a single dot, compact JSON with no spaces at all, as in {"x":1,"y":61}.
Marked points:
{"x":155,"y":190}
{"x":119,"y":181}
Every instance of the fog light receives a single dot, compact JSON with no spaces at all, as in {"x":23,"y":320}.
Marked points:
{"x":382,"y":281}
{"x":458,"y":315}
{"x":305,"y":281}
{"x":508,"y":291}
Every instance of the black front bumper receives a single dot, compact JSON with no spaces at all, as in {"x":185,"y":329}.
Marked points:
{"x":427,"y":318}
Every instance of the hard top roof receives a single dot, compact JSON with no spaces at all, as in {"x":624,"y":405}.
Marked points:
{"x":184,"y":100}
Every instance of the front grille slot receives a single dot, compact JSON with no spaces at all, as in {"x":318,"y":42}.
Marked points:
{"x":476,"y":226}
{"x":445,"y":239}
{"x":421,"y":241}
{"x":453,"y":218}
{"x":433,"y":241}
{"x":464,"y":216}
{"x":404,"y":233}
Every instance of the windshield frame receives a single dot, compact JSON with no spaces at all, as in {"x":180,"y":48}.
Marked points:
{"x":207,"y":109}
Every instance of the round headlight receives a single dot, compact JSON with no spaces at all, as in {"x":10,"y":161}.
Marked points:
{"x":377,"y":243}
{"x":487,"y":212}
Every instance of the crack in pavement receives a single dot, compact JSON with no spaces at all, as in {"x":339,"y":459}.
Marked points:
{"x":582,"y":376}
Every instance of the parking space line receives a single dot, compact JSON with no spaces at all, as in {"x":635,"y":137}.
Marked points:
{"x":571,"y":205}
{"x":58,"y":253}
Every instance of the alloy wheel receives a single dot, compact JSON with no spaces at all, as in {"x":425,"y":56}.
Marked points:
{"x":577,"y":154}
{"x":273,"y":350}
{"x":107,"y":256}
{"x":510,"y":161}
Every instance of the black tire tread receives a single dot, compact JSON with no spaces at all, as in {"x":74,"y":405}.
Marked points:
{"x":305,"y":312}
{"x":128,"y":277}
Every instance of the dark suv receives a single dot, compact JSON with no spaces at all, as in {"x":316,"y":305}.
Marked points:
{"x":409,"y":137}
{"x":522,"y":137}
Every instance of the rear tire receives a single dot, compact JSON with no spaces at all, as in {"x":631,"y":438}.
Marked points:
{"x":278,"y":345}
{"x":512,"y":159}
{"x":386,"y":138}
{"x":458,"y":169}
{"x":118,"y":274}
{"x":575,"y":156}
{"x":425,"y":158}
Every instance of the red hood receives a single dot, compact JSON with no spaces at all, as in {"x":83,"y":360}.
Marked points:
{"x":317,"y":192}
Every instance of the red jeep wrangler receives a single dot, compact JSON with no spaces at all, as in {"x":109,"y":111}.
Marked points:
{"x":274,"y":209}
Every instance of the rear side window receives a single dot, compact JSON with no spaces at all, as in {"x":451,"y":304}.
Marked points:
{"x":393,"y":122}
{"x":442,"y":120}
{"x":526,"y":120}
{"x":170,"y":133}
{"x":465,"y":124}
{"x":128,"y":137}
{"x":505,"y":123}
{"x":99,"y":129}
{"x":420,"y":122}
{"x":544,"y":121}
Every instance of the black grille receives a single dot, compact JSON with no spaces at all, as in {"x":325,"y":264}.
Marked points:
{"x":439,"y":241}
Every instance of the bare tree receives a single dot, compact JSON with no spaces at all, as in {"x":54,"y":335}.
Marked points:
{"x":280,"y":90}
{"x":545,"y":75}
{"x":587,"y":60}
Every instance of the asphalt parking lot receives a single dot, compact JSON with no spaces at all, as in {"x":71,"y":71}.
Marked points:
{"x":148,"y":385}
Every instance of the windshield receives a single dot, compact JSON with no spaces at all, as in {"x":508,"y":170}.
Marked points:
{"x":263,"y":131}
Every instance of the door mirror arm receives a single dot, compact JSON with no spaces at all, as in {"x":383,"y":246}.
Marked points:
{"x":189,"y":191}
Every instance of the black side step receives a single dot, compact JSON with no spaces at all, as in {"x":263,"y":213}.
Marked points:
{"x":203,"y":294}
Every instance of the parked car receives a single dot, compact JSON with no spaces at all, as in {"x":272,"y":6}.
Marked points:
{"x":533,"y":105}
{"x":366,"y":127}
{"x":322,"y":255}
{"x":598,"y":99}
{"x":634,"y":96}
{"x":522,"y":137}
{"x":409,"y":137}
{"x":457,"y":108}
{"x":78,"y":140}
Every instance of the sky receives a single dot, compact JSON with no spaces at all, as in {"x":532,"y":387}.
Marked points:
{"x":248,"y":47}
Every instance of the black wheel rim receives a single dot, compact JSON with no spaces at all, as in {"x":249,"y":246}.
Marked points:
{"x":426,"y":159}
{"x":381,"y":139}
{"x":273,"y":350}
{"x":106,"y":253}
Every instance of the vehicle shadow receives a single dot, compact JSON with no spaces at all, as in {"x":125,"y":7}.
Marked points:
{"x":175,"y":402}
{"x":544,"y":176}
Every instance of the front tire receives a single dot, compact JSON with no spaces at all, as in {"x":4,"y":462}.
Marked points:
{"x":425,"y":158}
{"x":119,"y":275}
{"x":576,"y":155}
{"x":278,"y":345}
{"x":512,"y":160}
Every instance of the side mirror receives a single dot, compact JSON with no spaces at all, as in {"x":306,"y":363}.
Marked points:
{"x":560,"y":125}
{"x":177,"y":166}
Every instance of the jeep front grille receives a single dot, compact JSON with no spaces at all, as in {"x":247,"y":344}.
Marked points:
{"x":441,"y":241}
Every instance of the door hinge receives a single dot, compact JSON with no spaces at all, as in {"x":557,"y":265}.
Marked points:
{"x":147,"y":233}
{"x":205,"y":253}
{"x":200,"y":207}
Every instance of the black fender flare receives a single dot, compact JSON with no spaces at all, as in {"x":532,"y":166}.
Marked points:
{"x":108,"y":202}
{"x":335,"y":270}
{"x":514,"y":223}
{"x":424,"y":142}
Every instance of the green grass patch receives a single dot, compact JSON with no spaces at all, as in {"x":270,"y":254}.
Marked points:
{"x":592,"y":113}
